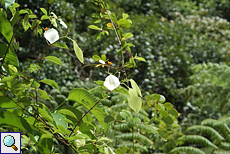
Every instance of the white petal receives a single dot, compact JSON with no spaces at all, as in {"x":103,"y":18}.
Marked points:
{"x":63,"y":24}
{"x":111,"y":82}
{"x":51,"y":35}
{"x":102,"y":62}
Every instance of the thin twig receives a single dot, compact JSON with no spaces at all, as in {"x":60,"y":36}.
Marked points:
{"x":84,"y":116}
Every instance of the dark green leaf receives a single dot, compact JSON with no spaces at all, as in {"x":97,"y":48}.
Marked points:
{"x":5,"y":27}
{"x":108,"y":119}
{"x":87,"y":99}
{"x":11,"y":57}
{"x":168,"y":120}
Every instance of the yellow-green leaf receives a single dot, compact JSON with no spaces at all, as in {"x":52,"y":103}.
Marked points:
{"x":78,"y":52}
{"x":51,"y":83}
{"x":54,"y":59}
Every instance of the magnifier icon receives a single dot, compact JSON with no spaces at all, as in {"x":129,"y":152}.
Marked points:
{"x":9,"y":141}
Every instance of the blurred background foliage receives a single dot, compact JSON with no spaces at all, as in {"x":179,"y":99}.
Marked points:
{"x":185,"y":44}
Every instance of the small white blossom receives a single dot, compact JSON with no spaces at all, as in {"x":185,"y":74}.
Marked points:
{"x":102,"y":62}
{"x":111,"y":82}
{"x":51,"y":35}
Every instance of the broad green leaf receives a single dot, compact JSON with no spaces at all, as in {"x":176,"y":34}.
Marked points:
{"x":67,"y":112}
{"x":7,"y":79}
{"x":88,"y":100}
{"x":174,"y":112}
{"x":163,"y":133}
{"x":45,"y":143}
{"x":10,"y":119}
{"x":54,"y":59}
{"x":9,"y":3}
{"x":168,"y":105}
{"x":135,"y":87}
{"x":5,"y":102}
{"x":5,"y":27}
{"x":45,"y":112}
{"x":119,"y":151}
{"x":94,"y":27}
{"x":60,"y":45}
{"x":51,"y":83}
{"x":159,"y":107}
{"x":108,"y":119}
{"x":163,"y":113}
{"x":11,"y":57}
{"x":136,"y":120}
{"x":124,"y":23}
{"x":78,"y":52}
{"x":168,"y":120}
{"x":134,"y":101}
{"x":43,"y":94}
{"x":58,"y":118}
{"x":44,"y":11}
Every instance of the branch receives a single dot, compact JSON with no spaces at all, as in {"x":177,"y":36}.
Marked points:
{"x":84,"y":116}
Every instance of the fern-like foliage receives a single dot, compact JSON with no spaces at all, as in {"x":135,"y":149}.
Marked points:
{"x":212,"y":136}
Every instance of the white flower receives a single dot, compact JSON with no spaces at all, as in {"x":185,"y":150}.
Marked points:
{"x":102,"y":62}
{"x":111,"y":82}
{"x":63,"y":24}
{"x":51,"y":35}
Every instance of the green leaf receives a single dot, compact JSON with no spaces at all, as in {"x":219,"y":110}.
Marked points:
{"x":168,"y":105}
{"x":140,"y":58}
{"x":119,"y":151}
{"x":9,"y":3}
{"x":54,"y":59}
{"x":60,"y":45}
{"x":43,"y":94}
{"x":7,"y":79}
{"x":78,"y":52}
{"x":44,"y":11}
{"x":5,"y":27}
{"x":50,"y":2}
{"x":162,"y":99}
{"x":134,"y":101}
{"x":45,"y":143}
{"x":125,"y":16}
{"x":96,"y":57}
{"x":10,"y":119}
{"x":103,"y":57}
{"x":173,"y":112}
{"x":11,"y":57}
{"x":124,"y":23}
{"x":128,"y":35}
{"x":44,"y":17}
{"x":88,"y":100}
{"x":163,"y":113}
{"x":168,"y":120}
{"x":135,"y":87}
{"x":94,"y":27}
{"x":125,"y":114}
{"x":5,"y":102}
{"x":58,"y":118}
{"x":67,"y":112}
{"x":108,"y":119}
{"x":13,"y":68}
{"x":51,"y":83}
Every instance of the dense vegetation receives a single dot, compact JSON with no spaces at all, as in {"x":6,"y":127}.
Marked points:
{"x":102,"y":85}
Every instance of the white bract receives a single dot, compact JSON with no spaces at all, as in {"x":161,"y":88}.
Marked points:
{"x":102,"y":62}
{"x":63,"y":24}
{"x":51,"y":35}
{"x":111,"y":82}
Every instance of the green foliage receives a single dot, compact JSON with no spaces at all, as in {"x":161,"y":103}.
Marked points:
{"x":210,"y":136}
